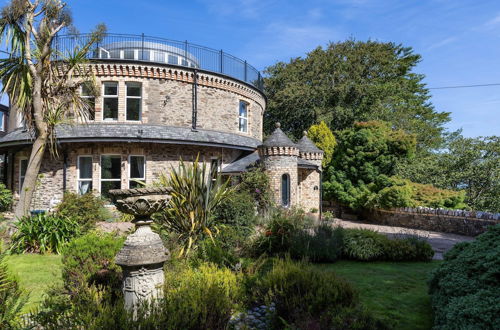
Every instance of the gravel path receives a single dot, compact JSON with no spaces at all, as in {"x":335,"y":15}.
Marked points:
{"x":440,"y":242}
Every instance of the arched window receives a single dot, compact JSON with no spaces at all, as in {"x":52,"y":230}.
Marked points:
{"x":285,"y":190}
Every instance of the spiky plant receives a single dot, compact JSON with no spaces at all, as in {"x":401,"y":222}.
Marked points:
{"x":12,"y":298}
{"x":195,"y":193}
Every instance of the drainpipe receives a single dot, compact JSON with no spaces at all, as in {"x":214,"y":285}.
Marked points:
{"x":65,"y":169}
{"x":195,"y":100}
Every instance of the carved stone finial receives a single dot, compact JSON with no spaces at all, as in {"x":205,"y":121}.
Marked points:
{"x":305,"y":133}
{"x":278,"y":125}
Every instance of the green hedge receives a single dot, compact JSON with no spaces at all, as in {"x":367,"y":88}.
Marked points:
{"x":465,"y":289}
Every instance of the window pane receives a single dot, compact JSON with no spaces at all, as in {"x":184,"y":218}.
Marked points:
{"x":129,"y":54}
{"x":243,"y":109}
{"x":172,"y":59}
{"x":243,"y":125}
{"x":133,"y":89}
{"x":87,"y":90}
{"x":110,"y":167}
{"x":24,"y":166}
{"x":285,"y":190}
{"x":133,"y":109}
{"x":136,"y":167}
{"x":106,"y":186}
{"x":114,"y":54}
{"x":110,"y":89}
{"x":159,"y":57}
{"x":84,"y":187}
{"x":145,"y":55}
{"x":85,"y":167}
{"x":184,"y":62}
{"x":111,"y":108}
{"x":91,"y":108}
{"x":1,"y":121}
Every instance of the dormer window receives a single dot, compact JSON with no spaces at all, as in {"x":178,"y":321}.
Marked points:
{"x":133,"y":104}
{"x":89,"y":99}
{"x":243,"y":117}
{"x":110,"y":101}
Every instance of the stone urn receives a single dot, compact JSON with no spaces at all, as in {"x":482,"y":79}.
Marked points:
{"x":143,"y":254}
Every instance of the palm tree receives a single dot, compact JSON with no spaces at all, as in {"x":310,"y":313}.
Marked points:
{"x":42,"y":83}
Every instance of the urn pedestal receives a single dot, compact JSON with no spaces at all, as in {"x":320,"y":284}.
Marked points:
{"x":143,"y":253}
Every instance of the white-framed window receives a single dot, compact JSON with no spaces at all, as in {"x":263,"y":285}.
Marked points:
{"x":214,"y":168}
{"x":243,"y":117}
{"x":110,"y":101}
{"x":88,"y":96}
{"x":23,"y":166}
{"x":134,"y":101}
{"x":111,"y":173}
{"x":84,"y":178}
{"x":137,"y":171}
{"x":2,"y":121}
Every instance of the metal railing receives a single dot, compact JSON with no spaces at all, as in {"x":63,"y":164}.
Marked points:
{"x":160,"y":50}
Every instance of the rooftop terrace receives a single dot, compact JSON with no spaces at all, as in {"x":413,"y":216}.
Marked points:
{"x":165,"y":51}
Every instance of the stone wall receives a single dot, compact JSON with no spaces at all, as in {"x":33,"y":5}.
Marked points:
{"x":159,"y":159}
{"x":275,"y":167}
{"x":309,"y":192}
{"x":433,"y":222}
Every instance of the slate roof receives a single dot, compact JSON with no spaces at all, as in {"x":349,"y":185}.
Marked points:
{"x":137,"y":133}
{"x":278,"y":139}
{"x":306,"y":145}
{"x":302,"y":163}
{"x":242,"y":164}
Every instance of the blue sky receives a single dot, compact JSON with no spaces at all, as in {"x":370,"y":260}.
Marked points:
{"x":459,"y":40}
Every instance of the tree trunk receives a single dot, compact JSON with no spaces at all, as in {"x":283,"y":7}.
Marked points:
{"x":31,"y":176}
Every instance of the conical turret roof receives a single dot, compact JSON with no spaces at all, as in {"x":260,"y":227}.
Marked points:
{"x":306,"y":145}
{"x":278,"y":139}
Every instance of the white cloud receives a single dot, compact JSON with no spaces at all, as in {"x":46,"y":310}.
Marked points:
{"x":441,"y":43}
{"x":492,"y":23}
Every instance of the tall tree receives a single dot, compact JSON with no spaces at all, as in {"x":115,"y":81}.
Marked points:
{"x":471,"y":164}
{"x":42,"y":83}
{"x":353,"y":81}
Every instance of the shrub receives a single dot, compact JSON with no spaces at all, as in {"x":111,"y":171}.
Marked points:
{"x":407,"y":249}
{"x":237,"y":210}
{"x":282,"y":227}
{"x":86,"y":209}
{"x":193,"y":200}
{"x":306,"y":297}
{"x":364,"y":244}
{"x":256,"y":183}
{"x":12,"y":298}
{"x":89,"y":260}
{"x":43,"y":233}
{"x":324,"y":244}
{"x":465,"y":290}
{"x":5,"y":198}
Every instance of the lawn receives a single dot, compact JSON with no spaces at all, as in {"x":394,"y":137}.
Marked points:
{"x":35,"y":273}
{"x":394,"y":291}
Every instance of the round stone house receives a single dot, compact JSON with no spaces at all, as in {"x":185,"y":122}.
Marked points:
{"x":160,"y":101}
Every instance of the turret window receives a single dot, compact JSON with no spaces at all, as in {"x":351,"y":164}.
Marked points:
{"x":285,"y":190}
{"x":110,"y":101}
{"x":134,"y":96}
{"x":243,"y":117}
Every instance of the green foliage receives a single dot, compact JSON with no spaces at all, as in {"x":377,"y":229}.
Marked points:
{"x":324,"y":139}
{"x":305,"y":295}
{"x":364,"y":160}
{"x":469,"y":164}
{"x":194,"y":197}
{"x":280,"y":232}
{"x":86,"y":209}
{"x":368,"y":245}
{"x":465,"y":291}
{"x":256,"y":183}
{"x":237,"y":210}
{"x":43,"y":233}
{"x":353,"y":81}
{"x":324,"y":244}
{"x":12,"y":298}
{"x":89,"y":260}
{"x":5,"y":198}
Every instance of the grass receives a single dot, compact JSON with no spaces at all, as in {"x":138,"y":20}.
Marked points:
{"x":36,"y":273}
{"x":395,"y":292}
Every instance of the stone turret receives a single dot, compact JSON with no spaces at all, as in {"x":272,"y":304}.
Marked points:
{"x":308,"y":151}
{"x":279,"y":156}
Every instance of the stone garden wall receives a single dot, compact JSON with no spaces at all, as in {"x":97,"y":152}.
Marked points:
{"x":446,"y":221}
